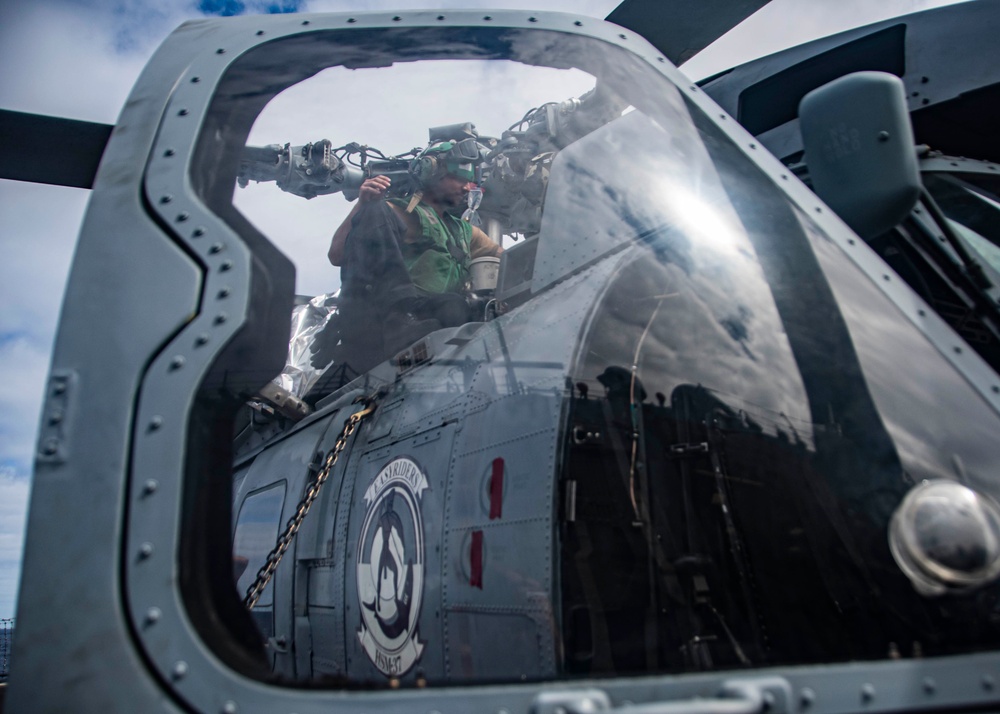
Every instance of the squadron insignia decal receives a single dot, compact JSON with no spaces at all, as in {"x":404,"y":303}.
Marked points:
{"x":390,"y":567}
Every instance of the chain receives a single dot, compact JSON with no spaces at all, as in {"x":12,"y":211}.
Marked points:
{"x":266,"y":572}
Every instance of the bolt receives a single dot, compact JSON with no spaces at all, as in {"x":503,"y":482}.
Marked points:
{"x":59,"y":388}
{"x":867,"y":692}
{"x":230,"y":706}
{"x":56,"y":416}
{"x":201,"y":340}
{"x":220,"y":51}
{"x":221,"y":318}
{"x":259,"y":33}
{"x":883,"y":136}
{"x":216,"y":248}
{"x":224,"y":293}
{"x":988,"y":682}
{"x":168,"y":152}
{"x":150,"y":486}
{"x":195,"y":80}
{"x":166,"y":199}
{"x":50,"y":447}
{"x":145,"y":550}
{"x":807,"y":697}
{"x":226,"y":265}
{"x":198,"y":232}
{"x":578,"y":23}
{"x":305,"y":22}
{"x":153,"y":615}
{"x":930,"y":686}
{"x":532,"y":19}
{"x":177,"y":362}
{"x":623,"y":37}
{"x":182,"y":113}
{"x":155,"y":423}
{"x":180,"y":670}
{"x":181,"y":217}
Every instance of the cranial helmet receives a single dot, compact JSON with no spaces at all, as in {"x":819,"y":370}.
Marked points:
{"x":446,"y":157}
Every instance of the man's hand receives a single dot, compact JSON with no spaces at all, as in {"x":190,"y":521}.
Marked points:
{"x":373,"y":189}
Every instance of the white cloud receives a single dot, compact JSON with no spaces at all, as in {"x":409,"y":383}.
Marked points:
{"x":13,"y":515}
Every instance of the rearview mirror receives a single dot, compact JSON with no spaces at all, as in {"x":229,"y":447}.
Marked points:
{"x":860,"y":150}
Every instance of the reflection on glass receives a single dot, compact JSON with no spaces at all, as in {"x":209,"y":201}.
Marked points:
{"x":255,"y":534}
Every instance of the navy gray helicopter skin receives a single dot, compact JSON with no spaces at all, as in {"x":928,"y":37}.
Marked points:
{"x":707,"y":450}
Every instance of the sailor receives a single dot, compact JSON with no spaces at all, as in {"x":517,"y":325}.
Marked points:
{"x":404,"y":261}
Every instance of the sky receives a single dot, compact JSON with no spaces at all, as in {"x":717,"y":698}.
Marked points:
{"x":79,"y":59}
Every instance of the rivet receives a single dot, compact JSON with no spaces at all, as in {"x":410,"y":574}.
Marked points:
{"x":930,"y":686}
{"x":578,"y":23}
{"x":201,"y":340}
{"x":259,"y":33}
{"x":722,"y":116}
{"x":868,"y":692}
{"x":532,"y":19}
{"x":487,"y":18}
{"x":305,"y":22}
{"x":850,"y":241}
{"x":886,"y":278}
{"x":660,"y":59}
{"x":150,"y":486}
{"x":784,"y":177}
{"x":397,"y":18}
{"x":988,"y":681}
{"x":50,"y":447}
{"x":221,"y":318}
{"x":958,"y":350}
{"x":195,"y":80}
{"x":224,"y":293}
{"x":155,"y":423}
{"x":621,"y":36}
{"x":996,"y":389}
{"x":753,"y":146}
{"x":177,"y":362}
{"x":924,"y":80}
{"x":182,"y":112}
{"x":393,"y":683}
{"x":153,"y":615}
{"x":693,"y":87}
{"x":168,"y":152}
{"x":59,"y":388}
{"x":807,"y":697}
{"x":230,"y":706}
{"x":440,"y":17}
{"x":767,"y":700}
{"x":183,"y":216}
{"x":56,"y":416}
{"x":198,"y":232}
{"x":145,"y":550}
{"x":351,"y":20}
{"x":922,"y":313}
{"x":215,"y":248}
{"x":819,"y":209}
{"x":166,"y":199}
{"x":226,"y":265}
{"x":925,"y":101}
{"x":883,"y":136}
{"x":220,"y":51}
{"x":180,"y":670}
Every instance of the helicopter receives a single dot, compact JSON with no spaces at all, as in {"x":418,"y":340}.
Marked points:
{"x":718,"y":438}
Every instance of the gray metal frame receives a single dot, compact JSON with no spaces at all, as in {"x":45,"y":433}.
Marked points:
{"x":101,"y":573}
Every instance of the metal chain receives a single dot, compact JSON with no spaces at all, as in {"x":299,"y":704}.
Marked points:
{"x":266,"y":572}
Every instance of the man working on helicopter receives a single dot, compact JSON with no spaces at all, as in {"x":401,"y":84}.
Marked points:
{"x":405,"y":261}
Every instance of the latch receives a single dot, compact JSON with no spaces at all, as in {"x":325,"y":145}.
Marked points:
{"x":736,"y":696}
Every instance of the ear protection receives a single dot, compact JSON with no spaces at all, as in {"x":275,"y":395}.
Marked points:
{"x":445,"y":157}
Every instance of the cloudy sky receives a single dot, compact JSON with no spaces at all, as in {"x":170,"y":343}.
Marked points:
{"x":79,"y":59}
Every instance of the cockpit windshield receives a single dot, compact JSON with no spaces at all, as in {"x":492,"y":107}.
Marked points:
{"x":635,"y":410}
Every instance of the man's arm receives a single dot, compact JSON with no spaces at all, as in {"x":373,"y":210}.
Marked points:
{"x":372,"y":189}
{"x":482,"y":245}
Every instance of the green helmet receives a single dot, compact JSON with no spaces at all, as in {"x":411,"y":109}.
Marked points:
{"x":446,"y":157}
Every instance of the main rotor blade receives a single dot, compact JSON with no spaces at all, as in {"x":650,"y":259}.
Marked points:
{"x":680,"y":29}
{"x":52,"y":150}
